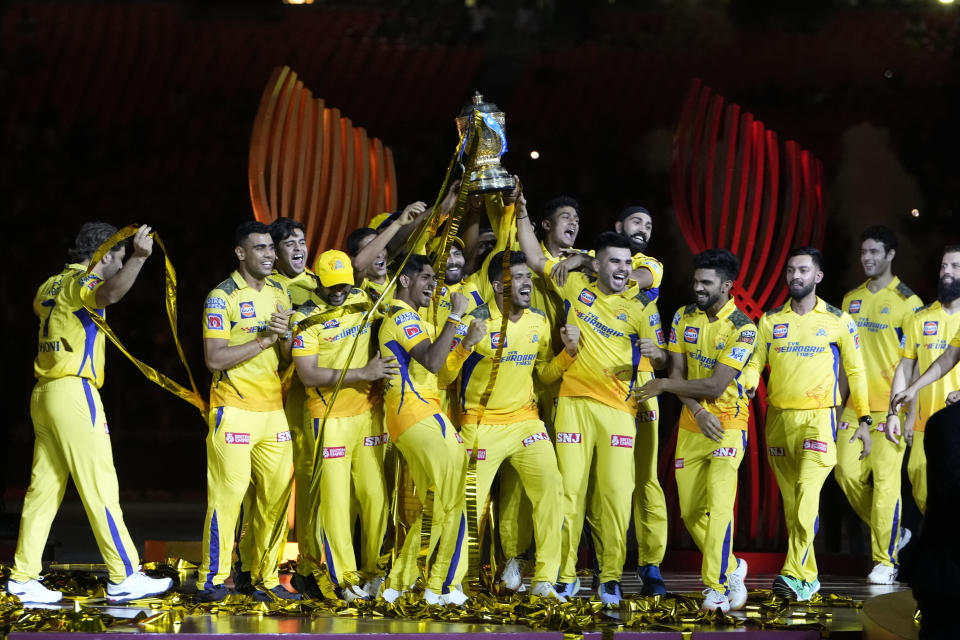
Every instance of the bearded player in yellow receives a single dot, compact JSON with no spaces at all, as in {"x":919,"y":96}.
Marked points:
{"x":243,"y":319}
{"x":72,"y":437}
{"x":882,"y":307}
{"x":804,"y":341}
{"x":509,"y":428}
{"x":927,"y":337}
{"x":710,"y":343}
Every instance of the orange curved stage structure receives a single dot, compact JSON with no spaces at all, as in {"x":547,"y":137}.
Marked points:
{"x":310,"y":163}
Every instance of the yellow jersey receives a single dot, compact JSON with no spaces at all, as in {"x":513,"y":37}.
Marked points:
{"x":640,"y":260}
{"x":804,"y":354}
{"x":729,"y":340}
{"x":238,"y":313}
{"x":880,"y":319}
{"x":69,"y":343}
{"x":414,"y":394}
{"x":927,"y":335}
{"x":300,"y":287}
{"x":375,"y":290}
{"x":328,"y":333}
{"x":527,"y":349}
{"x":610,"y":328}
{"x":444,"y":306}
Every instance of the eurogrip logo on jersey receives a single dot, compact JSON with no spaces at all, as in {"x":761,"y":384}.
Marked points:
{"x":776,"y":452}
{"x":283,"y":436}
{"x":815,"y":445}
{"x":621,"y":441}
{"x":587,"y":297}
{"x":780,"y":330}
{"x":854,"y":306}
{"x":214,"y":322}
{"x":247,"y":310}
{"x":569,"y":438}
{"x":236,"y":438}
{"x":334,"y":452}
{"x":536,"y":437}
{"x":725,"y":452}
{"x":412,"y":330}
{"x":215,"y":303}
{"x":690,"y":334}
{"x":930,"y":327}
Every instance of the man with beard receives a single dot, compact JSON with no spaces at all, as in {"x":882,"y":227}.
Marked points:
{"x":710,"y":343}
{"x":596,"y":410}
{"x":927,"y":336}
{"x":437,"y":311}
{"x":419,"y":429}
{"x":803,"y":341}
{"x":508,"y":427}
{"x":244,"y":318}
{"x":882,"y":307}
{"x":368,"y":249}
{"x":352,"y":439}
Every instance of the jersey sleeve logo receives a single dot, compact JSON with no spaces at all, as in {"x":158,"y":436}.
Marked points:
{"x":854,"y":306}
{"x":215,"y":303}
{"x":412,"y":330}
{"x":673,"y":335}
{"x":930,"y":328}
{"x":660,"y":339}
{"x":298,"y":342}
{"x":780,"y":330}
{"x":587,"y":297}
{"x":247,"y":310}
{"x":856,"y":340}
{"x":214,"y":322}
{"x":654,"y":319}
{"x":747,"y":337}
{"x":739,"y":354}
{"x":852,"y":326}
{"x":90,"y":281}
{"x":691,"y":334}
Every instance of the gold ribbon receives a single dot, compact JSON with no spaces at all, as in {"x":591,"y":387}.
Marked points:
{"x":191,"y":395}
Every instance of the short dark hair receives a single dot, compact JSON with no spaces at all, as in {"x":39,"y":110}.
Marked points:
{"x":415,"y":265}
{"x":89,"y":239}
{"x":553,"y":204}
{"x":609,"y":239}
{"x":356,"y":237}
{"x":722,"y":261}
{"x":629,"y":211}
{"x":495,"y":268}
{"x":283,"y":228}
{"x":951,"y":248}
{"x":247,"y":228}
{"x":883,"y":235}
{"x":813,"y":252}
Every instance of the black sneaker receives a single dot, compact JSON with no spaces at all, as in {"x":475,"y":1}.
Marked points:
{"x":278,"y":591}
{"x":306,"y":586}
{"x":242,"y":581}
{"x":216,"y":593}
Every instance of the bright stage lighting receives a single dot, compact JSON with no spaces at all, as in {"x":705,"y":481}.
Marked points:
{"x":915,"y":213}
{"x":945,"y":1}
{"x":534,"y":155}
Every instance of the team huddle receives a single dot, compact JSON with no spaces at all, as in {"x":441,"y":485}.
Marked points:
{"x":536,"y":366}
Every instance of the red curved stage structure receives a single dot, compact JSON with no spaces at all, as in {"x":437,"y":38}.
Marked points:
{"x":735,"y":187}
{"x":309,"y":163}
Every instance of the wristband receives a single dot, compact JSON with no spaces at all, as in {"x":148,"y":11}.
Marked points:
{"x":697,"y":412}
{"x":454,"y":318}
{"x":260,"y":343}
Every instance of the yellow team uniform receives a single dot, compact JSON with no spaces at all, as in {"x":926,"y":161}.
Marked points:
{"x":881,"y":318}
{"x":804,"y":353}
{"x":707,"y":471}
{"x":248,"y":433}
{"x":443,"y":306}
{"x":596,"y":416}
{"x":430,"y":445}
{"x":376,"y":289}
{"x":510,"y":427}
{"x":70,"y":426}
{"x":927,"y":335}
{"x":352,"y":439}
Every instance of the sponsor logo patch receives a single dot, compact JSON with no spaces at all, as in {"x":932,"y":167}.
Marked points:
{"x":298,"y":343}
{"x":587,"y":297}
{"x":852,"y":327}
{"x":569,"y":438}
{"x":776,"y":451}
{"x":856,"y":340}
{"x":214,"y":321}
{"x":780,"y":330}
{"x":534,"y":338}
{"x":247,"y":310}
{"x":215,"y":303}
{"x":495,"y":340}
{"x":690,"y":334}
{"x":815,"y":445}
{"x":854,"y":306}
{"x":678,"y":463}
{"x":283,"y":436}
{"x":236,"y":438}
{"x":621,"y":441}
{"x":821,"y":332}
{"x":412,"y":330}
{"x":844,"y":426}
{"x":375,"y":441}
{"x":334,"y":452}
{"x":646,"y":416}
{"x":673,"y":335}
{"x":725,"y":452}
{"x":930,"y":327}
{"x":739,"y":354}
{"x":747,"y":336}
{"x":481,"y":453}
{"x":333,"y":323}
{"x":406,"y":316}
{"x":660,"y":336}
{"x":654,"y":319}
{"x":536,"y":437}
{"x":622,"y":317}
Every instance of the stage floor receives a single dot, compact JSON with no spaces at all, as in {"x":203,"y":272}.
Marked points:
{"x":834,"y":616}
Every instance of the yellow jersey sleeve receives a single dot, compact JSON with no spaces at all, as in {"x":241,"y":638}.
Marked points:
{"x":852,"y":355}
{"x":912,"y":331}
{"x":928,"y":336}
{"x":955,"y":340}
{"x":655,"y":267}
{"x":740,"y":347}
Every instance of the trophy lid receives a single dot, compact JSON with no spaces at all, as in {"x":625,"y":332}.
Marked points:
{"x":477,"y":103}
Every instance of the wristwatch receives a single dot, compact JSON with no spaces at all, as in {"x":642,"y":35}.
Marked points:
{"x":867,"y":419}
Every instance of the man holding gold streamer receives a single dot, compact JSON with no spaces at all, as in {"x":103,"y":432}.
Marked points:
{"x":508,"y":426}
{"x":369,"y":249}
{"x":350,"y":426}
{"x":596,"y":410}
{"x":804,"y":341}
{"x":72,"y":437}
{"x":243,"y":319}
{"x":425,"y":437}
{"x":710,"y":342}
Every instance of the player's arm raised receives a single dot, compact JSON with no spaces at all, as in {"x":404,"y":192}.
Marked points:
{"x":113,"y":289}
{"x":433,"y":355}
{"x":528,"y":239}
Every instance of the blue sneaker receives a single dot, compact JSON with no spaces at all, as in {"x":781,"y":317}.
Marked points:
{"x":651,"y":582}
{"x":277,"y":593}
{"x":567,"y":589}
{"x":610,"y":594}
{"x":216,"y":593}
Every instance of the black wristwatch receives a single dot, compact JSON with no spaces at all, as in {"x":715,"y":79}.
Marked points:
{"x":867,"y":419}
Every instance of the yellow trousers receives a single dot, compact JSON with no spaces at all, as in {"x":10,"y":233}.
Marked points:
{"x":877,"y":502}
{"x":72,"y":440}
{"x":352,"y":472}
{"x":707,"y":490}
{"x":917,"y":471}
{"x":243,"y":444}
{"x":436,"y":459}
{"x":527,"y":447}
{"x":649,"y":503}
{"x":595,"y":447}
{"x":802,"y":452}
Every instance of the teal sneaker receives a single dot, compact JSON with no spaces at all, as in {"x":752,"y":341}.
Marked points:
{"x":793,"y":589}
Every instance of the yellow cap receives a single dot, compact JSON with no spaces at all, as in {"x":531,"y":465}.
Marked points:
{"x":333,"y":267}
{"x":379,"y":219}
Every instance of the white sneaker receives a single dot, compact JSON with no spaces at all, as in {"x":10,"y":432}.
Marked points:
{"x":883,"y":574}
{"x":135,"y":586}
{"x":546,"y":590}
{"x":32,"y":592}
{"x":372,"y":586}
{"x":352,"y":592}
{"x":568,"y":589}
{"x":512,"y":576}
{"x":432,"y":597}
{"x":454,"y":595}
{"x":905,"y":536}
{"x":738,"y":590}
{"x":714,"y":600}
{"x":391,"y":595}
